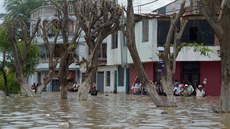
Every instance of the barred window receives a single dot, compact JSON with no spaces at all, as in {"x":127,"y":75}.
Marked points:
{"x":145,"y":30}
{"x":114,"y":40}
{"x":107,"y":78}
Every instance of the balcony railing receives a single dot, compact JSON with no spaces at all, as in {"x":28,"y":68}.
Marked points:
{"x":46,"y":11}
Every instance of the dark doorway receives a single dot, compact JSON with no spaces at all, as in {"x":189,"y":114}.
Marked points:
{"x":55,"y":85}
{"x":115,"y":82}
{"x":100,"y":82}
{"x":191,"y":72}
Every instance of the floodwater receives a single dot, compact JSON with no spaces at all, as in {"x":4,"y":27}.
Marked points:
{"x":115,"y":111}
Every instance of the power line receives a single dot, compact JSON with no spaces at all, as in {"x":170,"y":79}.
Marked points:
{"x":147,"y":3}
{"x":139,"y":6}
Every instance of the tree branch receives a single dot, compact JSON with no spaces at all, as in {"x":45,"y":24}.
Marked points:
{"x":211,"y":20}
{"x":171,"y":31}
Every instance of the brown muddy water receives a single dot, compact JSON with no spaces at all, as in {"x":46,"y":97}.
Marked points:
{"x":115,"y":111}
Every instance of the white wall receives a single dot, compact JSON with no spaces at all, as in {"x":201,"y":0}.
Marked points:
{"x":147,"y":50}
{"x":33,"y":79}
{"x":188,"y":54}
{"x":114,"y":55}
{"x":110,"y":88}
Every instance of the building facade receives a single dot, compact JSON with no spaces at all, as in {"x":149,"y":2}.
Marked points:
{"x":118,"y":73}
{"x":47,"y":13}
{"x":151,"y":31}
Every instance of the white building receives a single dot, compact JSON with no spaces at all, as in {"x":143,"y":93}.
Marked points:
{"x":47,"y":14}
{"x":118,"y":74}
{"x":151,"y":31}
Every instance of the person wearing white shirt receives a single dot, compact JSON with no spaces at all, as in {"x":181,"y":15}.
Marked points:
{"x":200,"y":91}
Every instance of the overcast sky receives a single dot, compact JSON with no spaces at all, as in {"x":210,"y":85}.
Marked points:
{"x":144,"y":9}
{"x":155,"y":4}
{"x":1,"y":6}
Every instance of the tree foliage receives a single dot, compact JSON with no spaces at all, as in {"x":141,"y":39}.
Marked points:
{"x":32,"y":58}
{"x":13,"y":86}
{"x":4,"y":42}
{"x":20,"y":9}
{"x":204,"y":50}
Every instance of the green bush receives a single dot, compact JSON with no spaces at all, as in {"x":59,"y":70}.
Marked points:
{"x":13,"y":86}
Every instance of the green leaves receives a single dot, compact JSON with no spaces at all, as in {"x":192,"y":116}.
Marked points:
{"x":32,"y":58}
{"x":204,"y":50}
{"x":20,"y":9}
{"x":4,"y":42}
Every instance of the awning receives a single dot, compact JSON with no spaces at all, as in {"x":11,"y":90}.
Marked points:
{"x":45,"y":67}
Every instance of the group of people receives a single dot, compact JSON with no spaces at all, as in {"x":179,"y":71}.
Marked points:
{"x":73,"y":87}
{"x":179,"y":89}
{"x":186,"y":89}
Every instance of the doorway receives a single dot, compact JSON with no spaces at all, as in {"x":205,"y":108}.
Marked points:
{"x":191,"y":72}
{"x":100,"y":82}
{"x":55,"y":85}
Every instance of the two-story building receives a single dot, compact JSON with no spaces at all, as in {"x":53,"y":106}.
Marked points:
{"x":117,"y":73}
{"x":151,"y":31}
{"x":47,"y":13}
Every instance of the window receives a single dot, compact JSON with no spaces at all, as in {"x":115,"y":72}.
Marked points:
{"x":191,"y":71}
{"x":114,"y":40}
{"x":193,"y":34}
{"x":70,"y":9}
{"x":102,"y":52}
{"x":198,"y":31}
{"x":70,"y":26}
{"x":121,"y":76}
{"x":115,"y":79}
{"x":145,"y":30}
{"x":107,"y":78}
{"x":162,"y":31}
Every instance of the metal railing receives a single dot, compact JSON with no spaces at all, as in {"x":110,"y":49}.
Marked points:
{"x":48,"y":10}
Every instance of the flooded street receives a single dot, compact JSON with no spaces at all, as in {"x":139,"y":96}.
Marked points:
{"x":115,"y":111}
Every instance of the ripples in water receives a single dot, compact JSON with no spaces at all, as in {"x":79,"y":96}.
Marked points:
{"x":115,"y":111}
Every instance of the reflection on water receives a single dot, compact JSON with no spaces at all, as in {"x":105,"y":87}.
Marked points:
{"x":115,"y":111}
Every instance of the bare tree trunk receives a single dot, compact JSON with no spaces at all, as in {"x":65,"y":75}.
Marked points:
{"x":225,"y":60}
{"x":130,"y":34}
{"x":20,"y":55}
{"x":98,"y":19}
{"x":25,"y":88}
{"x":63,"y":73}
{"x":169,"y":60}
{"x":85,"y":86}
{"x":91,"y":69}
{"x":47,"y":79}
{"x":167,"y":82}
{"x":5,"y":75}
{"x":221,"y":27}
{"x":41,"y":86}
{"x":141,"y":73}
{"x":64,"y":91}
{"x":39,"y":90}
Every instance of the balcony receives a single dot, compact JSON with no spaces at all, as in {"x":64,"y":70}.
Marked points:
{"x":43,"y":11}
{"x":47,"y":11}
